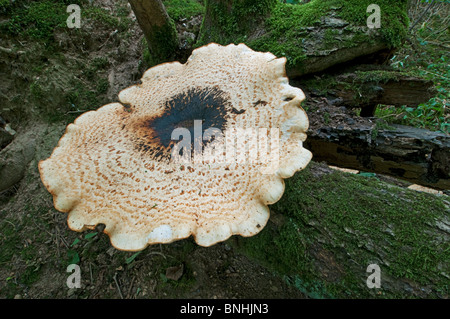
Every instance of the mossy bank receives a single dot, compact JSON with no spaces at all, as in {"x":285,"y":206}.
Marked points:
{"x":55,"y":72}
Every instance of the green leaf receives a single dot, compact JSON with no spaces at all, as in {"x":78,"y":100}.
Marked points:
{"x":90,"y":235}
{"x":76,"y":241}
{"x":132,"y":257}
{"x":367,"y":174}
{"x":74,"y":258}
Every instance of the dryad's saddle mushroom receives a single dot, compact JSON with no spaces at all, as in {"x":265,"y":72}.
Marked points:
{"x":198,"y":149}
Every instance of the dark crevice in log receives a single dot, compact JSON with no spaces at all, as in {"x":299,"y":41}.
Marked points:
{"x":416,"y":155}
{"x":365,"y":86}
{"x":337,"y":136}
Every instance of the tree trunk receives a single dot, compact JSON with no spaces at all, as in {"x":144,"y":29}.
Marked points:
{"x":232,"y":21}
{"x":158,"y":28}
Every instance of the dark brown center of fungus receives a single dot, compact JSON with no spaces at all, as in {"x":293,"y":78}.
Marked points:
{"x":195,"y":110}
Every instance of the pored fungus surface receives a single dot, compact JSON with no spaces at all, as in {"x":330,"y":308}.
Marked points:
{"x":198,"y":149}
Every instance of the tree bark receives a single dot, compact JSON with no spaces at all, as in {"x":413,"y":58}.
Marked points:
{"x":229,"y":21}
{"x":366,"y":86}
{"x":159,"y":30}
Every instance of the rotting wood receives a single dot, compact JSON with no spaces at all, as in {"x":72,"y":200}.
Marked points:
{"x":399,"y":90}
{"x":417,"y":155}
{"x":368,"y":85}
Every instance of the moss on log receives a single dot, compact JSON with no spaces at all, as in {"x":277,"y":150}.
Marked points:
{"x":330,"y":226}
{"x":312,"y":36}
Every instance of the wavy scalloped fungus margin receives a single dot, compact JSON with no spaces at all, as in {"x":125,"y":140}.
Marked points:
{"x":112,"y":166}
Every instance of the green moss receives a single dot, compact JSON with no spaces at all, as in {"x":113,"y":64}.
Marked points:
{"x":163,"y":49}
{"x":232,"y":24}
{"x":38,"y":20}
{"x":82,"y":96}
{"x":378,"y":76}
{"x":5,"y":6}
{"x":394,"y":18}
{"x":286,"y":29}
{"x":285,"y":25}
{"x":359,"y":216}
{"x":9,"y":243}
{"x":182,"y":9}
{"x":117,"y":20}
{"x":322,"y":85}
{"x":20,"y":254}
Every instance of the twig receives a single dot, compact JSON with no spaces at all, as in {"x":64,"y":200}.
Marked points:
{"x":57,"y":242}
{"x":436,"y":74}
{"x":10,"y":223}
{"x":440,"y":45}
{"x":158,"y":253}
{"x":131,"y":286}
{"x":117,"y":285}
{"x":77,"y":111}
{"x":110,"y":35}
{"x":64,"y":242}
{"x":421,"y":16}
{"x":90,"y":272}
{"x":10,"y":51}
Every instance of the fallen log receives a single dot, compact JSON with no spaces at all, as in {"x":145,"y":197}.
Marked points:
{"x":312,"y":36}
{"x":331,"y":230}
{"x":368,"y":85}
{"x":367,"y":89}
{"x":417,"y":155}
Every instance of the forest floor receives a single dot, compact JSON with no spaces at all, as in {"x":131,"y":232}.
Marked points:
{"x":36,"y":246}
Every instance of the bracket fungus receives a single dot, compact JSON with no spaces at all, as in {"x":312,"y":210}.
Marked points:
{"x":242,"y":130}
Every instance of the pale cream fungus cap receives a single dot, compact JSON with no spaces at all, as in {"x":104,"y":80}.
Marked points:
{"x":114,"y":166}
